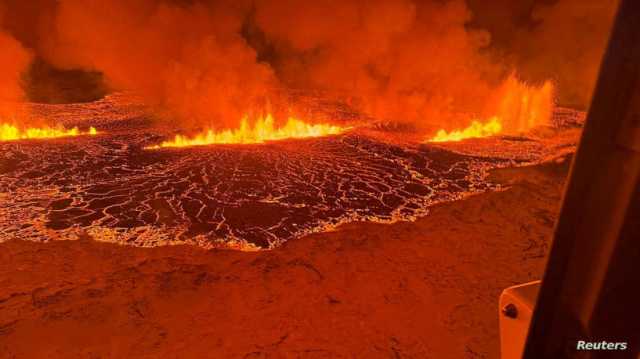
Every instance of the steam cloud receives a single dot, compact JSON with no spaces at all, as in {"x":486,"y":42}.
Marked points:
{"x":209,"y":62}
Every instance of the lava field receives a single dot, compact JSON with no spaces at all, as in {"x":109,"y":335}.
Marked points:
{"x":110,"y":188}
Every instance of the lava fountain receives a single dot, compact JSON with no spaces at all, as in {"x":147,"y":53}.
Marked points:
{"x":475,"y":130}
{"x":520,"y":107}
{"x":10,"y":132}
{"x":263,"y":130}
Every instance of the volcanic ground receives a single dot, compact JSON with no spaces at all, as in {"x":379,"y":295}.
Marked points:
{"x":110,"y":188}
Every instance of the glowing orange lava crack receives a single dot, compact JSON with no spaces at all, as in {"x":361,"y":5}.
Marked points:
{"x":520,"y":108}
{"x":263,"y":130}
{"x":11,"y":133}
{"x":475,"y":130}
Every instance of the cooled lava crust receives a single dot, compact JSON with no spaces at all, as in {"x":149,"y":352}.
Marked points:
{"x":110,"y":188}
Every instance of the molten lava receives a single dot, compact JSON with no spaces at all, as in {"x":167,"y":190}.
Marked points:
{"x":263,"y":130}
{"x":10,"y":132}
{"x":522,"y":106}
{"x":475,"y":130}
{"x":518,"y":108}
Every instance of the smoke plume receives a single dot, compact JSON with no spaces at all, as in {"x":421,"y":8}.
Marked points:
{"x":430,"y":63}
{"x":565,"y":42}
{"x":14,"y":60}
{"x":188,"y":58}
{"x":399,"y":60}
{"x":404,"y":60}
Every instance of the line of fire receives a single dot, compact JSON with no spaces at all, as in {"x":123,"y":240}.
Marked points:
{"x":319,"y":179}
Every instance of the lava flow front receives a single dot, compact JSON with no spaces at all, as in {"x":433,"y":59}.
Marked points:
{"x":263,"y":130}
{"x":10,"y":132}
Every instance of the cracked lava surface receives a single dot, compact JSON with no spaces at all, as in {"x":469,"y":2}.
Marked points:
{"x":248,"y":197}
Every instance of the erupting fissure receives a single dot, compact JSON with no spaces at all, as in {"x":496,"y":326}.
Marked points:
{"x":519,"y":108}
{"x":475,"y":130}
{"x":263,"y":130}
{"x":10,"y":132}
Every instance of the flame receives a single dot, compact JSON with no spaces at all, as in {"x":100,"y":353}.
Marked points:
{"x":475,"y":130}
{"x":10,"y":132}
{"x":263,"y":130}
